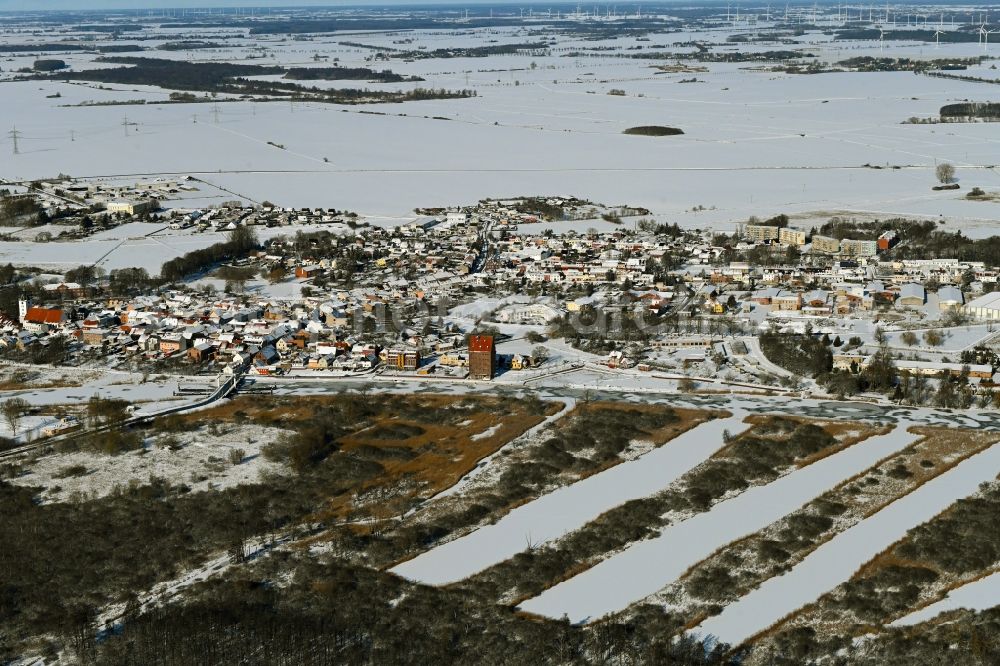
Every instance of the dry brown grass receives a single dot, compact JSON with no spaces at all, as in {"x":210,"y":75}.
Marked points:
{"x":10,"y":385}
{"x":951,"y":587}
{"x":571,"y":572}
{"x":256,"y":409}
{"x":439,"y":452}
{"x":946,"y":447}
{"x":847,"y":433}
{"x":686,"y":420}
{"x":444,"y":453}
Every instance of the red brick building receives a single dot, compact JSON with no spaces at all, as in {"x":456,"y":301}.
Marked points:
{"x":482,"y":357}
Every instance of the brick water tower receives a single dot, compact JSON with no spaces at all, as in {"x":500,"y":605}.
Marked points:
{"x":482,"y":357}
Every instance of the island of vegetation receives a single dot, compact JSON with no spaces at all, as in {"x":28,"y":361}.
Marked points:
{"x":653,"y":130}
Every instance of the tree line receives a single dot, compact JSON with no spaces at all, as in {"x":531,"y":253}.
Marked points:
{"x":241,"y":241}
{"x":346,"y":74}
{"x":230,"y":78}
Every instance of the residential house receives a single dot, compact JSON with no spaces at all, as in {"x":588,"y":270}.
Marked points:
{"x":202,"y":352}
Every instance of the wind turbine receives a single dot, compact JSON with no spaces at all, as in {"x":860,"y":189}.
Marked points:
{"x":937,"y":39}
{"x":881,"y":39}
{"x":984,"y":35}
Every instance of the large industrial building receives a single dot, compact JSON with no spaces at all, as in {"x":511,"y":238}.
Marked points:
{"x":132,"y":207}
{"x":986,"y":306}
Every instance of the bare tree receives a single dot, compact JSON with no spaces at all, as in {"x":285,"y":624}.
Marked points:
{"x":13,"y":410}
{"x":945,"y":172}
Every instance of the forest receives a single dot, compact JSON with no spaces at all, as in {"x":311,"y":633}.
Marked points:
{"x":884,"y":64}
{"x":977,"y":110}
{"x":174,"y":74}
{"x":49,"y":65}
{"x":925,"y":35}
{"x":221,"y":77}
{"x":321,"y":25}
{"x":478,"y":51}
{"x":802,"y":354}
{"x":653,"y":130}
{"x":19,"y":210}
{"x":42,"y":48}
{"x":346,"y":74}
{"x":241,"y":240}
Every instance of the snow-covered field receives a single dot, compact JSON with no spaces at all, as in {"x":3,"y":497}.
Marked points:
{"x":755,"y":142}
{"x":153,"y":394}
{"x":198,"y":459}
{"x":646,"y":566}
{"x":954,"y":338}
{"x":569,"y":507}
{"x":136,"y":244}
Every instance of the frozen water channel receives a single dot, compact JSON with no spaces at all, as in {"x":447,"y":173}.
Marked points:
{"x":570,"y":507}
{"x":647,"y":566}
{"x":836,"y":561}
{"x":977,"y":595}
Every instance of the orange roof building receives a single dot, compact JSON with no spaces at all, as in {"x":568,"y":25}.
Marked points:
{"x":51,"y":316}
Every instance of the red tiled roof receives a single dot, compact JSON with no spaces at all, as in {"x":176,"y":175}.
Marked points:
{"x":480,"y":343}
{"x":43,"y":316}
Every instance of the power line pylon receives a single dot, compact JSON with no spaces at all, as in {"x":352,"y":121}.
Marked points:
{"x":15,"y":135}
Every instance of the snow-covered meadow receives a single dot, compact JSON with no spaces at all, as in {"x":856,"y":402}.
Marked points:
{"x":755,"y":142}
{"x":199,"y":459}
